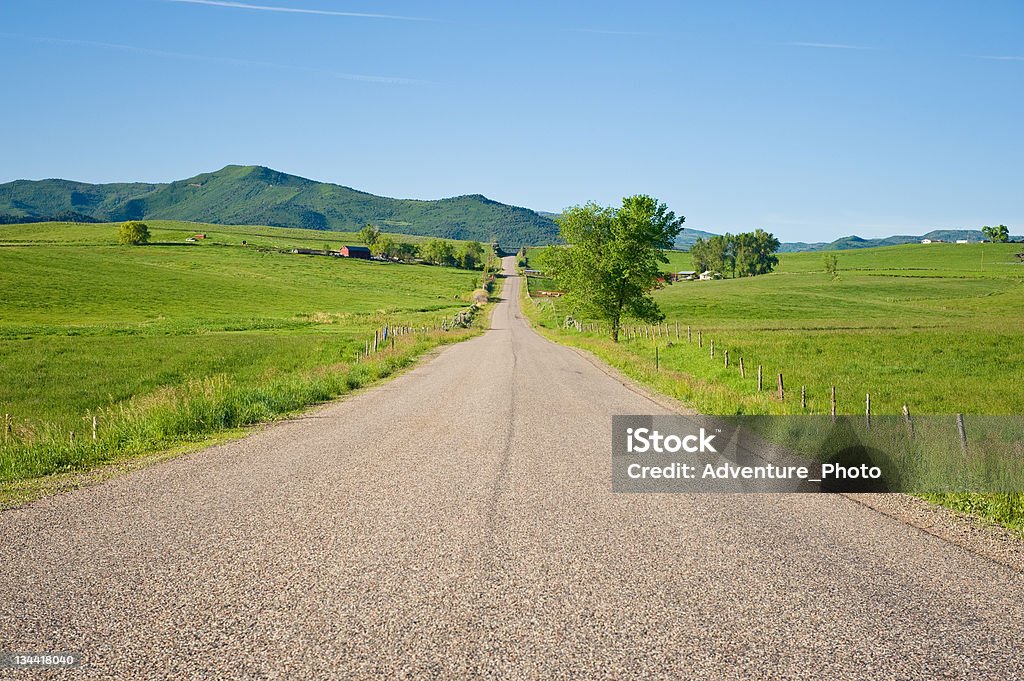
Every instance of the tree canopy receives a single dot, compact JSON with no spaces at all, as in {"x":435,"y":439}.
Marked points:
{"x":133,"y":232}
{"x":746,"y":254}
{"x":369,"y":234}
{"x":997,"y":234}
{"x":384,"y":247}
{"x":438,"y":252}
{"x":613,"y":257}
{"x":471,"y":256}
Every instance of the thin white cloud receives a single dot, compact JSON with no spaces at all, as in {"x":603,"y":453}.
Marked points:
{"x":365,"y":78}
{"x":602,"y":31}
{"x":297,"y":10}
{"x":828,"y":46}
{"x":998,"y":57}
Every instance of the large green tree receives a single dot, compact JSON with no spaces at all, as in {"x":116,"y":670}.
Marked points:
{"x":471,"y":256}
{"x":369,"y":234}
{"x":133,"y":232}
{"x":997,"y":234}
{"x":438,"y":252}
{"x":711,"y":255}
{"x":408,"y":252}
{"x":613,"y":257}
{"x":384,"y":247}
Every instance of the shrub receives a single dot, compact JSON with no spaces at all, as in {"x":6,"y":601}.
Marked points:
{"x":133,"y":232}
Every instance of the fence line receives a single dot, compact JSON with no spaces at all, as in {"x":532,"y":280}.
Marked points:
{"x":655,"y":333}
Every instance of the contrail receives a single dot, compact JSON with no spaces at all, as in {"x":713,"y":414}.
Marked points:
{"x":829,"y":46}
{"x":298,"y":10}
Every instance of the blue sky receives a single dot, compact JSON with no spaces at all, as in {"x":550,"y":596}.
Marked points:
{"x":810,"y":119}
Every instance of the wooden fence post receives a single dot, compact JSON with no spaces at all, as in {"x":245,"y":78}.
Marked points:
{"x":833,"y":403}
{"x":700,"y":338}
{"x":712,"y":348}
{"x":759,"y":382}
{"x":656,"y":363}
{"x":867,"y":410}
{"x":7,"y":427}
{"x":94,"y":424}
{"x":961,"y":430}
{"x":677,"y":329}
{"x":910,"y":421}
{"x":782,"y":389}
{"x":726,"y":359}
{"x":743,"y":371}
{"x":803,"y":397}
{"x":689,"y":336}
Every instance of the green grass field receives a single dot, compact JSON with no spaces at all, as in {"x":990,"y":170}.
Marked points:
{"x":175,"y":231}
{"x":141,"y":335}
{"x":926,"y":325}
{"x":939,"y":327}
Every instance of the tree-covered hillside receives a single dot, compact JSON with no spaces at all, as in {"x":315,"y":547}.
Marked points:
{"x":258,"y":195}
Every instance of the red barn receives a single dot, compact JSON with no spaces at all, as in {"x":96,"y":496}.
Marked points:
{"x":355,"y":252}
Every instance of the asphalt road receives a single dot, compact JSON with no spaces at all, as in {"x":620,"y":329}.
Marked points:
{"x":457,"y":522}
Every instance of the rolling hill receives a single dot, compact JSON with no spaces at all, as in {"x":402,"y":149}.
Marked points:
{"x":256,"y":195}
{"x":846,"y":243}
{"x":850,"y":242}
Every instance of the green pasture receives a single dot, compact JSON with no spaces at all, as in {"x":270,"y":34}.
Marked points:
{"x":922,"y":325}
{"x":90,"y":328}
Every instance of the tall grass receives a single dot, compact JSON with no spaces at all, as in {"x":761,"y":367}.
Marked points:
{"x":198,"y":408}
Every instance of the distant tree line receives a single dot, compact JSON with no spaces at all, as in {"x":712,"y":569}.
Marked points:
{"x":471,"y":255}
{"x":746,"y":254}
{"x":62,"y":216}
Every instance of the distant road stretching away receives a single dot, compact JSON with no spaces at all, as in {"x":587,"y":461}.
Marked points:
{"x":458,"y":521}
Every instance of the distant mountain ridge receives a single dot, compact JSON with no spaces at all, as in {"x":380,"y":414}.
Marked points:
{"x":851,"y":242}
{"x":256,"y":195}
{"x":845,"y":243}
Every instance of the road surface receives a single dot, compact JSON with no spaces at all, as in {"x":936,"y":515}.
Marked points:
{"x":457,"y":521}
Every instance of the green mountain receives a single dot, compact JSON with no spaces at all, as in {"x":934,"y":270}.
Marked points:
{"x":689,"y":236}
{"x":850,"y":242}
{"x":254,"y":195}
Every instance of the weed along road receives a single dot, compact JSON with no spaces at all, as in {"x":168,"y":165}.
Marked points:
{"x":458,"y":521}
